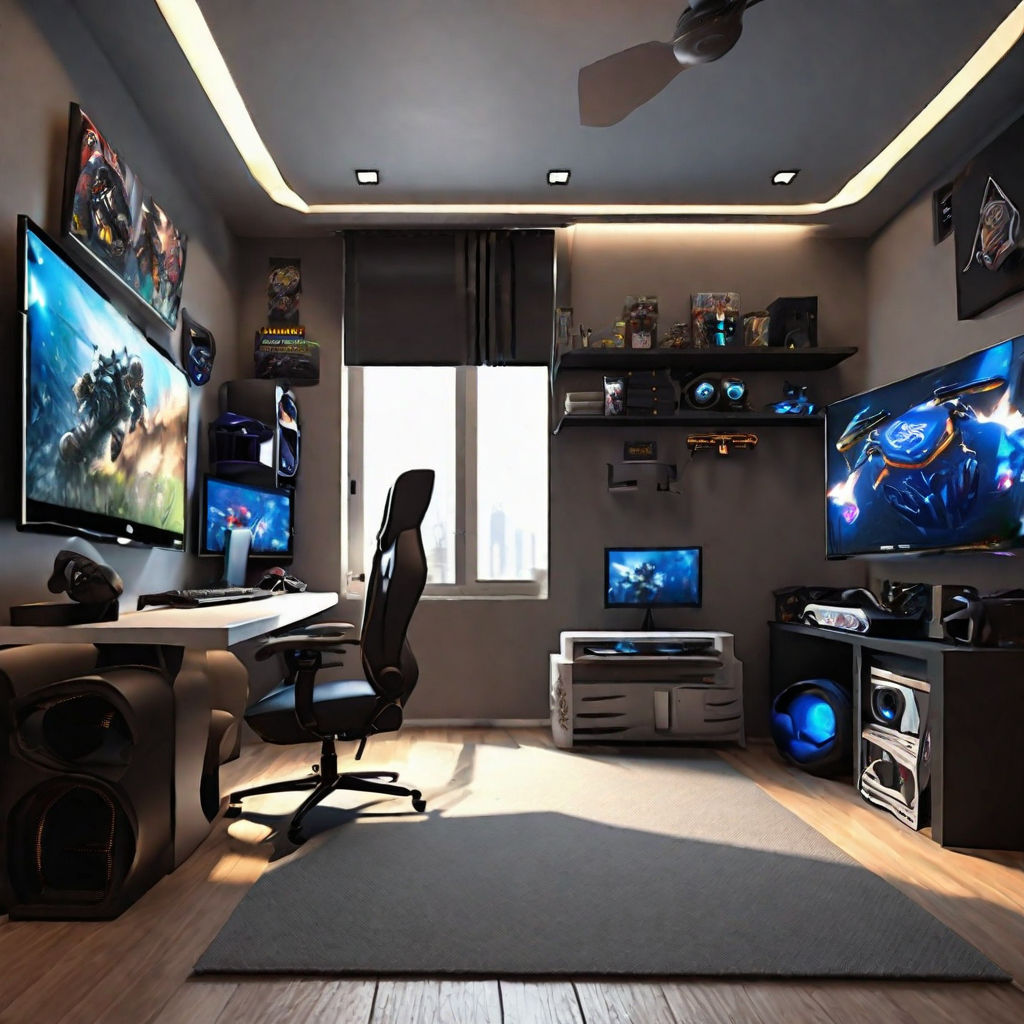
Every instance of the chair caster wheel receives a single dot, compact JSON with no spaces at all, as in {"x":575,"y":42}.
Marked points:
{"x":233,"y":811}
{"x":418,"y":803}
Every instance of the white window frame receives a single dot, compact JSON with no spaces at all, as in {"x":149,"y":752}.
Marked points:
{"x":466,"y":584}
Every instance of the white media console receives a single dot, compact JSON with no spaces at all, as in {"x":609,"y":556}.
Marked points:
{"x":613,"y":687}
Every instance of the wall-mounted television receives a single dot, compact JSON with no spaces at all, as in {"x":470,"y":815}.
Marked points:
{"x":104,"y":411}
{"x":933,"y":462}
{"x":652,"y":577}
{"x":267,"y":512}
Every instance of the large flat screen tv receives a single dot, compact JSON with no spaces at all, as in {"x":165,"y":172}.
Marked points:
{"x":933,"y":462}
{"x":268,"y":512}
{"x":105,"y":413}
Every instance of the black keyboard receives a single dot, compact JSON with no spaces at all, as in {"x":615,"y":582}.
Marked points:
{"x":204,"y":597}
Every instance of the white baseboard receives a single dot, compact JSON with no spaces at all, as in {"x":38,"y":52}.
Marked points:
{"x":476,"y":723}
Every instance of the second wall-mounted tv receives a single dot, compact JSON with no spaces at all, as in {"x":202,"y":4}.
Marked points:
{"x":933,"y":462}
{"x":105,"y":413}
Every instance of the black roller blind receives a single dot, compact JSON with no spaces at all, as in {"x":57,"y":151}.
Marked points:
{"x":448,"y":298}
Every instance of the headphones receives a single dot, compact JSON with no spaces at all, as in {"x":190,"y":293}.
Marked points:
{"x":85,"y":580}
{"x":198,"y":349}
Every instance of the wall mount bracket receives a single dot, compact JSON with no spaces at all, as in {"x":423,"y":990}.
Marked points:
{"x":665,"y":475}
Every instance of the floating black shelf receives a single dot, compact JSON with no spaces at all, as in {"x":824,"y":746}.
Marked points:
{"x":704,"y":360}
{"x":686,"y":418}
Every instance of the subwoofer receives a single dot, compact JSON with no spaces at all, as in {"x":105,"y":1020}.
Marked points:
{"x":86,"y":771}
{"x":812,"y":726}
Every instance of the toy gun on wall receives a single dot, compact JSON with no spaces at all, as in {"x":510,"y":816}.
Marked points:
{"x":722,"y":442}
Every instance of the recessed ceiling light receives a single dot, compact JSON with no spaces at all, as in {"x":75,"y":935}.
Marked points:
{"x":558,"y":177}
{"x":368,"y":177}
{"x":784,"y":177}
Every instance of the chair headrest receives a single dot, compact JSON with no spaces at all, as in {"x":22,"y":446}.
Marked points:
{"x":407,"y":504}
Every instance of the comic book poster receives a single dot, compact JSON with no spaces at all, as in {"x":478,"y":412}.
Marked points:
{"x":284,"y":286}
{"x":109,"y":213}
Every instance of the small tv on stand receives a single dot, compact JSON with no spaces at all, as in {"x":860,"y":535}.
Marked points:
{"x":651,"y":578}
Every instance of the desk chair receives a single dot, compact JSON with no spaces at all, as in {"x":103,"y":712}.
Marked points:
{"x":302,"y":709}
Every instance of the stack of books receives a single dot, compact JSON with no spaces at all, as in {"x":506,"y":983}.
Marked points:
{"x":650,"y":393}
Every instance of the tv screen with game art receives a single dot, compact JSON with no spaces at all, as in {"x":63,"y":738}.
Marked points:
{"x":652,"y":577}
{"x":933,"y":462}
{"x":105,"y":413}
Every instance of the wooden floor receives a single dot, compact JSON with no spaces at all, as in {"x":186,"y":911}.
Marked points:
{"x":136,"y":969}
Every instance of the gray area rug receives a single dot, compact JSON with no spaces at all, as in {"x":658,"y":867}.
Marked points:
{"x":532,"y":861}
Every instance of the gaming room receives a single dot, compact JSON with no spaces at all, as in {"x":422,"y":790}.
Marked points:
{"x":512,"y":513}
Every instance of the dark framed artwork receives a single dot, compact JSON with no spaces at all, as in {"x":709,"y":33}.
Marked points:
{"x":988,"y":196}
{"x":109,"y":213}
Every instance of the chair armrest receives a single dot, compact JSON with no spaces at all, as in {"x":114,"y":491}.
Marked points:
{"x":302,"y":642}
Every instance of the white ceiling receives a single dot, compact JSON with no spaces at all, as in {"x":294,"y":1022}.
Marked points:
{"x":473,"y":101}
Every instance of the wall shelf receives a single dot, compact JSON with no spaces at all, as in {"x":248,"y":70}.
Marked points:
{"x":684,"y":418}
{"x":703,"y":360}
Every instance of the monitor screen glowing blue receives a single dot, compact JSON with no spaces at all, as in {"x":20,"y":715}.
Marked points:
{"x":652,"y":577}
{"x":266,"y":511}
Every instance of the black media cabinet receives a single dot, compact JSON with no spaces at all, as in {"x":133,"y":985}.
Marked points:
{"x":976,"y":719}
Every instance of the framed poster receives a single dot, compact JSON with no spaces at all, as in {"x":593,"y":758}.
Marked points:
{"x":108,"y":213}
{"x":988,"y":196}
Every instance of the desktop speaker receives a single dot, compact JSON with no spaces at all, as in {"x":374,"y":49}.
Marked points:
{"x":812,"y":726}
{"x":86,"y":774}
{"x":703,"y":393}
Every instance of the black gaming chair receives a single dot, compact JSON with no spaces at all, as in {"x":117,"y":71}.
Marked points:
{"x":303,"y":709}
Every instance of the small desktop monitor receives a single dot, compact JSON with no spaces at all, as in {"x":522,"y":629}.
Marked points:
{"x":652,"y":578}
{"x":267,"y":512}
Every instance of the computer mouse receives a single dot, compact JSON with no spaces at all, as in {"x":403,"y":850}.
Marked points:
{"x":279,"y":581}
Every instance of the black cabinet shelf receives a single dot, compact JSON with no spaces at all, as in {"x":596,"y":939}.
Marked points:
{"x":704,"y":360}
{"x":728,"y":420}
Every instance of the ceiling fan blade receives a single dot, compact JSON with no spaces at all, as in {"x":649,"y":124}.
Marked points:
{"x":615,"y":86}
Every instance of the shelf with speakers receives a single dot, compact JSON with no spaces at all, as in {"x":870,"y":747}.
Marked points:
{"x":692,"y":418}
{"x":715,"y":360}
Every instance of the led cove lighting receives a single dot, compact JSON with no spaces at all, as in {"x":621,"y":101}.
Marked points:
{"x":368,"y":177}
{"x":784,"y":177}
{"x":558,"y":177}
{"x":189,"y":28}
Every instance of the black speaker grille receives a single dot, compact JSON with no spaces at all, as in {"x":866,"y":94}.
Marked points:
{"x":70,"y":843}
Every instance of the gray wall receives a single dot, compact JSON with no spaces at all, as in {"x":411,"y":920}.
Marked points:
{"x":759,"y":515}
{"x":48,"y":60}
{"x":912,"y":326}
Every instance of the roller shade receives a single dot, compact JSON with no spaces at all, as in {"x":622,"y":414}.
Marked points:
{"x":448,"y":298}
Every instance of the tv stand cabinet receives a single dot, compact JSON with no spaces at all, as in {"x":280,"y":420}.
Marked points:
{"x":693,"y":695}
{"x":975,"y":721}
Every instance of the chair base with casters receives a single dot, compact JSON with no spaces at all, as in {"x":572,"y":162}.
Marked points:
{"x":350,"y":708}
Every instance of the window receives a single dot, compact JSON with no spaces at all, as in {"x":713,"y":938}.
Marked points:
{"x":484,"y":432}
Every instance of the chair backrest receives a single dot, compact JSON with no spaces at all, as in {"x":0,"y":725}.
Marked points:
{"x":397,"y":578}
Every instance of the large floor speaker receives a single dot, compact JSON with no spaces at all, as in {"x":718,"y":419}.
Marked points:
{"x":86,"y":770}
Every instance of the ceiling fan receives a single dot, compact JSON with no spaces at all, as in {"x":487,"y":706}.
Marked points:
{"x":615,"y":86}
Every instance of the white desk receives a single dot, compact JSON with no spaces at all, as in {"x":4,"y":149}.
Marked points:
{"x":214,"y":628}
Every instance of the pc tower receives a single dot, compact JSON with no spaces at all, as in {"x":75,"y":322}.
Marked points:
{"x":269,"y":458}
